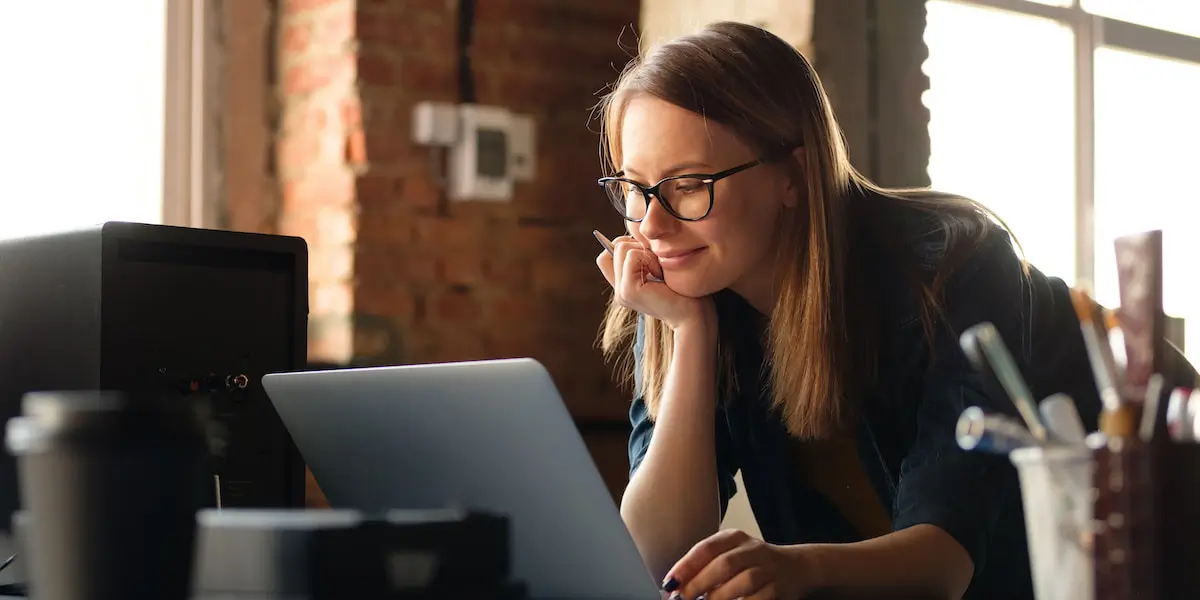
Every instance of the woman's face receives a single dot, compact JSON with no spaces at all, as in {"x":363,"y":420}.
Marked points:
{"x":732,"y":246}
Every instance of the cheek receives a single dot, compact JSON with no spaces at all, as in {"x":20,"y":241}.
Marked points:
{"x":744,"y":216}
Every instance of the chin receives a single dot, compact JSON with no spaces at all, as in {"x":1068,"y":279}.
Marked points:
{"x":691,"y":285}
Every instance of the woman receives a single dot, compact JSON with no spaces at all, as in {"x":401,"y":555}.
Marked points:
{"x":805,"y":331}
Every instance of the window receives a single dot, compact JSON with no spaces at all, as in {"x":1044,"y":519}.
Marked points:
{"x":1147,"y":124}
{"x":1177,"y":16}
{"x":84,"y":114}
{"x":1072,"y":134}
{"x":993,"y":140}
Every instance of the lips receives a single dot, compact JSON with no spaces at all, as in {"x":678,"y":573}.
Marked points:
{"x":677,"y":258}
{"x":676,"y":253}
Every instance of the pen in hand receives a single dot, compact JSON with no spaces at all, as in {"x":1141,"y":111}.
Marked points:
{"x":608,"y":247}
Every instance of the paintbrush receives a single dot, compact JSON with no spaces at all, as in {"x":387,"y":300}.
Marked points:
{"x":985,"y":349}
{"x":1118,"y":417}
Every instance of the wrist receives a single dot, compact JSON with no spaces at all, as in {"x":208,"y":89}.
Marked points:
{"x":701,"y":321}
{"x":697,"y":333}
{"x":808,"y":561}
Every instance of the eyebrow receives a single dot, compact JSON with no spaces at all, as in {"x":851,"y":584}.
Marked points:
{"x":675,"y":170}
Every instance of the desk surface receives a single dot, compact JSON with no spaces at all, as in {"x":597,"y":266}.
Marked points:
{"x":216,"y":597}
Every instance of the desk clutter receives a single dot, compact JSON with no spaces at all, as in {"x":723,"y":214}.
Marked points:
{"x":1112,"y":514}
{"x":117,"y":488}
{"x":113,"y":485}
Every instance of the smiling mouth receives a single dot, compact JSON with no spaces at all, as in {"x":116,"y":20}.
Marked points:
{"x":677,"y":259}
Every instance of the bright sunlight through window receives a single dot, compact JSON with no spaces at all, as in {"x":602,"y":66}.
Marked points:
{"x":82,"y":113}
{"x":1002,"y":125}
{"x":1002,"y":131}
{"x":1147,"y":124}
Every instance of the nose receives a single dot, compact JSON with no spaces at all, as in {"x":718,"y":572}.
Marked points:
{"x":657,"y":222}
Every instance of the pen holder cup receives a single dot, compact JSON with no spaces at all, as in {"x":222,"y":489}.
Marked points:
{"x":1056,"y":493}
{"x":1147,"y":520}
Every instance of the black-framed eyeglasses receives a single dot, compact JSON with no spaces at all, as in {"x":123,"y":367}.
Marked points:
{"x":687,"y":197}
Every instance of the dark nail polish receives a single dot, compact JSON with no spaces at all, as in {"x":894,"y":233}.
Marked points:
{"x":670,"y":585}
{"x":676,"y":596}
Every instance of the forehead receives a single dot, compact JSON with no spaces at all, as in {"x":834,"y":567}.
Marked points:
{"x":655,"y":135}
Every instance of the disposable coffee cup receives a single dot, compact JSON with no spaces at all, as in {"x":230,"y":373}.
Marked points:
{"x":1056,"y":493}
{"x":110,"y":484}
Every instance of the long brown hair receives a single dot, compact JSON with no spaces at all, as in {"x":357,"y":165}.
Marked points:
{"x":768,"y":94}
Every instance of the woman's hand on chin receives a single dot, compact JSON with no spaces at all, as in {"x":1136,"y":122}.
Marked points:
{"x":636,"y":278}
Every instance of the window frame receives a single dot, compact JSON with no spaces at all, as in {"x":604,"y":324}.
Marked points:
{"x":1091,"y":33}
{"x":190,"y":172}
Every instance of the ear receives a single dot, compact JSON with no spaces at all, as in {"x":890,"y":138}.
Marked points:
{"x":795,"y":172}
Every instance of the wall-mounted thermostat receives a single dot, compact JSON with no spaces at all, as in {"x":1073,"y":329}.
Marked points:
{"x":489,"y":147}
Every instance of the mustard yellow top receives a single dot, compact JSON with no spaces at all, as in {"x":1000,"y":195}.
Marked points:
{"x":832,"y":467}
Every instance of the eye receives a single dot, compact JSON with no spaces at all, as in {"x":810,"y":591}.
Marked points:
{"x":688,"y":185}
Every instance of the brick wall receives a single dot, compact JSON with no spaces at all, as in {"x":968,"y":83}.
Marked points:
{"x":789,"y":19}
{"x":399,"y":275}
{"x":318,"y":151}
{"x":402,"y":276}
{"x":460,"y":281}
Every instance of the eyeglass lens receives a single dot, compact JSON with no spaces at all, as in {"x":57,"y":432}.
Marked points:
{"x":688,"y":197}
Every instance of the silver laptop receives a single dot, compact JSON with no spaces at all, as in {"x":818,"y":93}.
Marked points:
{"x":491,"y":435}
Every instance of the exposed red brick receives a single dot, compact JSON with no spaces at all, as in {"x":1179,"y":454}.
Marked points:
{"x":439,"y":234}
{"x":296,"y":37}
{"x":429,"y":7}
{"x":313,"y":162}
{"x":458,"y":344}
{"x":388,"y":251}
{"x":332,"y":264}
{"x":336,"y":226}
{"x":321,"y":186}
{"x":355,"y":153}
{"x":552,"y":273}
{"x":501,"y":271}
{"x":310,"y":118}
{"x":385,"y":296}
{"x":378,"y":70}
{"x":316,"y":72}
{"x":332,"y":299}
{"x":350,"y":109}
{"x":455,"y":305}
{"x":298,"y":150}
{"x":334,"y":29}
{"x":427,"y":73}
{"x":297,"y":6}
{"x":420,"y":192}
{"x":515,"y":307}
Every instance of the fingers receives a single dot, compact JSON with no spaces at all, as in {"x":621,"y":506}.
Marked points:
{"x":700,"y":556}
{"x":629,"y":259}
{"x":622,"y":246}
{"x":724,"y":570}
{"x":754,"y":583}
{"x":649,"y":269}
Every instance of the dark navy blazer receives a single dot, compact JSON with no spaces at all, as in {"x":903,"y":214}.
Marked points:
{"x":906,"y":427}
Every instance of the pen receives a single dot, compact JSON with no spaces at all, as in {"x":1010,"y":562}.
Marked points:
{"x":608,"y":247}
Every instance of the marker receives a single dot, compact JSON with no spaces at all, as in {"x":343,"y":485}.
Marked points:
{"x":995,"y":434}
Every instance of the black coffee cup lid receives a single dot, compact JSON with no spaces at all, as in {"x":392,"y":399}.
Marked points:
{"x":47,"y":414}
